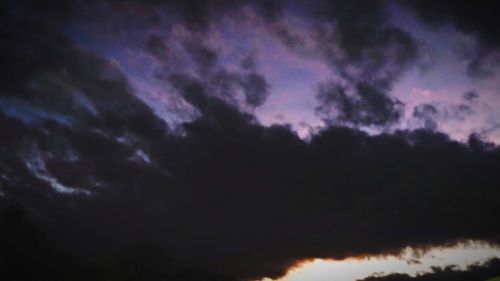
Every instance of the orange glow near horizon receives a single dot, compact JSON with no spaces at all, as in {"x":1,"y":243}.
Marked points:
{"x":410,"y":261}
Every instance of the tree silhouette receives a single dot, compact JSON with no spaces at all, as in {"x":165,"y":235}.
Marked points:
{"x":26,"y":255}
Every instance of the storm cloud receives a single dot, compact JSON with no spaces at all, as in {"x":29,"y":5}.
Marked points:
{"x":368,"y":54}
{"x":99,"y":171}
{"x":474,"y":19}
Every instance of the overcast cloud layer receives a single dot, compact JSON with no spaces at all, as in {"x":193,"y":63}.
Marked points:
{"x":98,"y":167}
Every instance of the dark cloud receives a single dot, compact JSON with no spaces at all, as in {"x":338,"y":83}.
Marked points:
{"x":288,"y":37}
{"x":24,"y":245}
{"x":54,"y":13}
{"x":256,"y":89}
{"x":202,"y":55}
{"x":477,"y":19}
{"x":470,"y":95}
{"x":354,"y":38}
{"x":365,"y":37}
{"x":247,"y":200}
{"x":269,"y":9}
{"x":248,"y":63}
{"x":215,"y":111}
{"x":482,"y":62}
{"x":156,"y":46}
{"x":463,"y":111}
{"x":364,"y":49}
{"x":222,"y":83}
{"x":45,"y":70}
{"x":366,"y":105}
{"x":427,"y":113}
{"x":198,"y":15}
{"x":196,"y":59}
{"x":225,"y":192}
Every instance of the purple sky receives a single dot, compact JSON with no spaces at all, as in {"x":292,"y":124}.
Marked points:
{"x":438,"y":77}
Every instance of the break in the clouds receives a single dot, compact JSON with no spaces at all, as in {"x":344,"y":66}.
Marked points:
{"x":296,"y":50}
{"x":469,"y":260}
{"x":142,"y":137}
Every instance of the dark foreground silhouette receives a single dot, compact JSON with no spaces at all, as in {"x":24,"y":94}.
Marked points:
{"x":473,"y":273}
{"x":27,"y":254}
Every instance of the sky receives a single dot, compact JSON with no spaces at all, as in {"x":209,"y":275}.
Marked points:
{"x":239,"y":139}
{"x":410,"y":261}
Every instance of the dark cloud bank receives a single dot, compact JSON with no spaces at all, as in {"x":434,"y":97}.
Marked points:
{"x":477,"y":19}
{"x":100,"y":177}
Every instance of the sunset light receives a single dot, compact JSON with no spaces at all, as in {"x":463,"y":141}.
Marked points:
{"x":249,"y":140}
{"x":410,"y":261}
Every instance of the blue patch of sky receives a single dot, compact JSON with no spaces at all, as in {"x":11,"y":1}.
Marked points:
{"x":30,"y":114}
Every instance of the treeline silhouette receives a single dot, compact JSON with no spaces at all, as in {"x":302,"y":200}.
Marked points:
{"x":26,"y":254}
{"x":475,"y":272}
